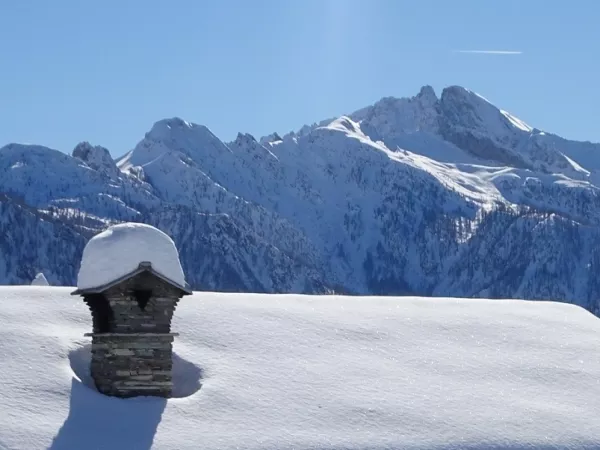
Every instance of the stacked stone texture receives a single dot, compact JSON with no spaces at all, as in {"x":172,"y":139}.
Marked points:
{"x":131,"y":365}
{"x":132,"y":344}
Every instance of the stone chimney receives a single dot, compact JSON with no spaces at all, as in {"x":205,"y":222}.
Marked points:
{"x":132,"y":343}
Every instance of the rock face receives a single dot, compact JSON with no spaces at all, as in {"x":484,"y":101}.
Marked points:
{"x":132,"y":343}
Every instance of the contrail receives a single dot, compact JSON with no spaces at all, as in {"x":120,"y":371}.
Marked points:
{"x":491,"y":52}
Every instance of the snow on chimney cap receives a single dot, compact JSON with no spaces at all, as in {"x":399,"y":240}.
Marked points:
{"x":122,"y":250}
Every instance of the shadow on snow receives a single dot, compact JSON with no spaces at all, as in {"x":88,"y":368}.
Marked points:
{"x":96,"y":421}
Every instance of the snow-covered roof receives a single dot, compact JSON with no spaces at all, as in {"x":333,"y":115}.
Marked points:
{"x":305,"y":372}
{"x":116,"y":254}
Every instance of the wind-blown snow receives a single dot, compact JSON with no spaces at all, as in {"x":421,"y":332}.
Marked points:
{"x":302,"y":372}
{"x":40,"y":280}
{"x":120,"y":249}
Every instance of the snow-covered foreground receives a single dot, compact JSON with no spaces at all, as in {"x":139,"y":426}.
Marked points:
{"x":288,"y":371}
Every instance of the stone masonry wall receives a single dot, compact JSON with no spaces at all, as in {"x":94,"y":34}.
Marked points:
{"x":128,"y":317}
{"x":132,"y":346}
{"x":129,"y":365}
{"x":154,"y":317}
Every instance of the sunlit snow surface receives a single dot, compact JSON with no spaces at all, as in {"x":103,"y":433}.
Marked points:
{"x":302,"y":372}
{"x":120,"y":249}
{"x":516,"y":121}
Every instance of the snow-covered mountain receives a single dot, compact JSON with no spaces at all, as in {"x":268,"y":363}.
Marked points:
{"x":427,"y":195}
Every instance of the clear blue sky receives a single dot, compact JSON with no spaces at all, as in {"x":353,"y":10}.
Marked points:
{"x":105,"y":71}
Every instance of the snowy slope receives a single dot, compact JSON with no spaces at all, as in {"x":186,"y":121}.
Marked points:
{"x":45,"y":178}
{"x":473,"y":129}
{"x":287,"y":371}
{"x":31,"y":242}
{"x":372,"y":214}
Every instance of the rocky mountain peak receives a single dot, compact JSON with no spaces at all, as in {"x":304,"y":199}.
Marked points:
{"x":96,"y":157}
{"x":427,"y":95}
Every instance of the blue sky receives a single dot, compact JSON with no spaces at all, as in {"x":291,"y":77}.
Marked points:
{"x":106,"y":71}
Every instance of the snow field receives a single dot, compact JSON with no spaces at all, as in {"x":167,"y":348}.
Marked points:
{"x":290,"y":371}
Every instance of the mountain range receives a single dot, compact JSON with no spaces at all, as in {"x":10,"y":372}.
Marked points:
{"x":440,"y":196}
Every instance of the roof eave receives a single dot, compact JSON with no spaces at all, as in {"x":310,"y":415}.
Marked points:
{"x":143,"y":267}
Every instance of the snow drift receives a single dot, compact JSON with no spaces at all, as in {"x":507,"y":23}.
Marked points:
{"x":289,"y":371}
